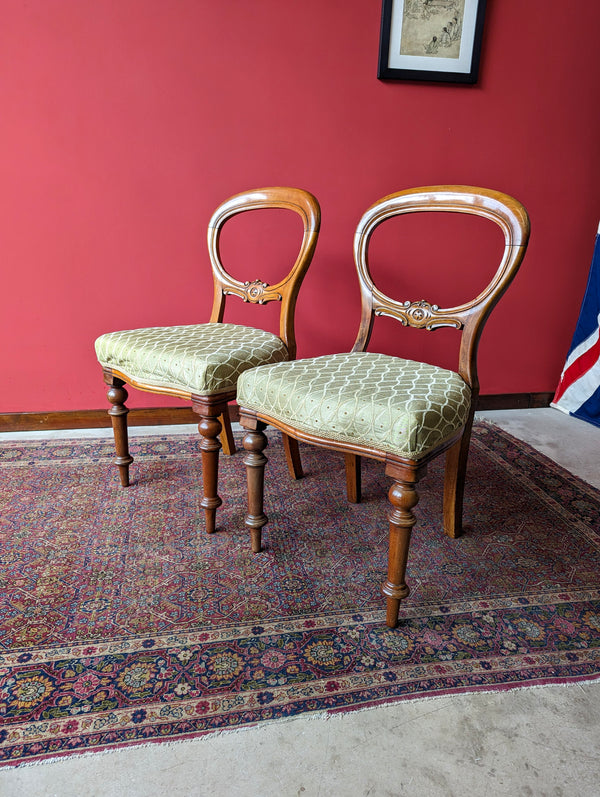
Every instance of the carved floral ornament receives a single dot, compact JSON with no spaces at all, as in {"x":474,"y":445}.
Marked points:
{"x":257,"y":292}
{"x":420,"y":314}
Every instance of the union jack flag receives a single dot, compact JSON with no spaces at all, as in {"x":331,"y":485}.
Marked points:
{"x":578,"y":391}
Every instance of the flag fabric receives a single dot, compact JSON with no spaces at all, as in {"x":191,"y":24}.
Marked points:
{"x":578,"y":391}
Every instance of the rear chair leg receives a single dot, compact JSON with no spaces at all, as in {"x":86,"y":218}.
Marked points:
{"x":353,"y":479}
{"x":292,"y":456}
{"x":117,"y":395}
{"x":227,"y":439}
{"x":454,"y":484}
{"x":255,"y":441}
{"x":403,"y":498}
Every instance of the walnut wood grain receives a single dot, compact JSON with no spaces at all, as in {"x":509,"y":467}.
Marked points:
{"x":117,"y":395}
{"x":254,"y":442}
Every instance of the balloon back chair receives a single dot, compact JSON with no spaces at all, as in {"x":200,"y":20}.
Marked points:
{"x":400,"y":412}
{"x":202,"y":362}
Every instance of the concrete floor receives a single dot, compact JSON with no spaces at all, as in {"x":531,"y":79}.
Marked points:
{"x":536,"y":741}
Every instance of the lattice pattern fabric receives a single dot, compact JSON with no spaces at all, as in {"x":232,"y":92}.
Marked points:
{"x":203,"y":358}
{"x":397,"y":406}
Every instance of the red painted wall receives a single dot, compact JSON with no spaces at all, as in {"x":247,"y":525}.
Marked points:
{"x":124,"y":123}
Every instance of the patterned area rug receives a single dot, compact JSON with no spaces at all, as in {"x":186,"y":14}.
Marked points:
{"x":122,"y":622}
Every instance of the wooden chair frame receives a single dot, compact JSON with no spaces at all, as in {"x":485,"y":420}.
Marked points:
{"x":470,"y":318}
{"x":214,"y":425}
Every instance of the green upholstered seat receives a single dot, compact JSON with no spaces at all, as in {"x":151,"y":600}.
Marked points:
{"x":397,"y":406}
{"x":203,"y":359}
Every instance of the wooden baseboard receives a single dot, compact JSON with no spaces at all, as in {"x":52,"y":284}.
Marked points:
{"x":97,"y":419}
{"x":514,"y":401}
{"x":162,"y":416}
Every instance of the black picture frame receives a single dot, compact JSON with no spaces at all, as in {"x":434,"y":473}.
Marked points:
{"x":433,"y":40}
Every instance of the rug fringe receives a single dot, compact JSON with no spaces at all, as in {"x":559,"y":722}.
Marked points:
{"x":331,"y":715}
{"x":125,"y":747}
{"x":466,"y":691}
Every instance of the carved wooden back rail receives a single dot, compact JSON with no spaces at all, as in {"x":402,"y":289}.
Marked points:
{"x":257,"y":291}
{"x":470,"y":317}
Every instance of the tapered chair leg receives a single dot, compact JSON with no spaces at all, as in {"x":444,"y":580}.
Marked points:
{"x":403,"y":497}
{"x":117,"y":395}
{"x":227,"y":440}
{"x":292,"y":456}
{"x":454,"y":484}
{"x":210,"y":445}
{"x":353,"y":478}
{"x":255,"y":441}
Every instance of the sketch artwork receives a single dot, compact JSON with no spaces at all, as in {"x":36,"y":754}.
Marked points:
{"x":432,"y":28}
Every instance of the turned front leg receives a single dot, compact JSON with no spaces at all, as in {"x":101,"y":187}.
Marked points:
{"x":117,"y":395}
{"x":403,"y":498}
{"x":255,"y":441}
{"x":210,"y":429}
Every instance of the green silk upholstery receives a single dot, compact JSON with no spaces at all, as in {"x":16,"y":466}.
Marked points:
{"x":397,"y":406}
{"x":202,"y":359}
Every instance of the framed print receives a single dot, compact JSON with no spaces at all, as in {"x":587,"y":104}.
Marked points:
{"x":431,"y":40}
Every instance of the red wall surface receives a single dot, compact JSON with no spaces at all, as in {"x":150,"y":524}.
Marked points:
{"x":124,"y":123}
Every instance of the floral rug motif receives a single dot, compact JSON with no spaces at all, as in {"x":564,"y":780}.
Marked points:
{"x":122,"y":622}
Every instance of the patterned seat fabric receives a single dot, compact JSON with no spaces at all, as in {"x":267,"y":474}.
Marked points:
{"x":396,"y":406}
{"x":202,"y":359}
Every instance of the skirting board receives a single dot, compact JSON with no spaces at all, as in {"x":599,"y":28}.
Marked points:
{"x":159,"y":416}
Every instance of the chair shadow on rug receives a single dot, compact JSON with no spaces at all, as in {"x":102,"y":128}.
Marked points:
{"x":202,"y":362}
{"x":397,"y":411}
